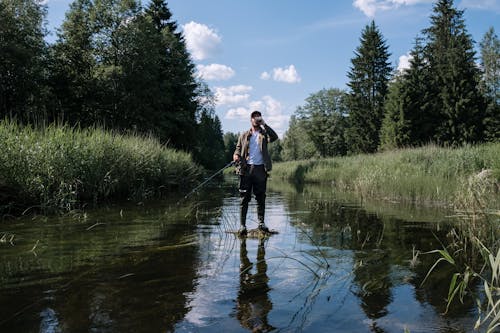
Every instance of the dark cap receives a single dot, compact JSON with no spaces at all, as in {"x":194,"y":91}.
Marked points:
{"x":255,"y":114}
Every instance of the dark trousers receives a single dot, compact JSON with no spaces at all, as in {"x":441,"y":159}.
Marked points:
{"x":254,"y":180}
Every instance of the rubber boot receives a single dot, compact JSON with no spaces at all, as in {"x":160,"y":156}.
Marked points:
{"x":243,"y":218}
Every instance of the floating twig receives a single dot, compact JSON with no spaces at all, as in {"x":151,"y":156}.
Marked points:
{"x":94,"y":225}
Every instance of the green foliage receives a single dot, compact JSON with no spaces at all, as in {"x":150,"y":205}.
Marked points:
{"x":490,"y":85}
{"x":323,"y":119}
{"x":458,"y":106}
{"x":408,"y":118}
{"x":490,"y":63}
{"x":60,"y":168}
{"x":368,"y":80}
{"x":115,"y":64}
{"x":275,"y":149}
{"x":474,"y":254}
{"x":427,"y":175}
{"x":210,"y":145}
{"x":230,"y":140}
{"x":395,"y":126}
{"x":297,"y":145}
{"x":22,"y":60}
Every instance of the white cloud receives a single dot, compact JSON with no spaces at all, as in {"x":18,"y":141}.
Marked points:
{"x":288,"y":75}
{"x":404,"y":62}
{"x":232,"y":95}
{"x":370,"y":7}
{"x":238,"y":113}
{"x":272,"y":112}
{"x":215,"y":72}
{"x":492,"y":5}
{"x":265,"y":76}
{"x":201,"y":41}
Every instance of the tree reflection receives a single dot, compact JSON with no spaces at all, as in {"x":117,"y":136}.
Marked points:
{"x":372,"y":271}
{"x":253,"y":303}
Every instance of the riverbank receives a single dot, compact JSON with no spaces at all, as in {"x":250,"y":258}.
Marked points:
{"x":464,"y":177}
{"x":62,"y":168}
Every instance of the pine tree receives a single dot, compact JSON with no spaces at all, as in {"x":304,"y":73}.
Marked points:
{"x":368,"y":77}
{"x":490,"y":84}
{"x":458,"y":106}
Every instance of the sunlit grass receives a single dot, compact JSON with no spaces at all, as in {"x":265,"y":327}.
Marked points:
{"x":61,"y":167}
{"x":430,"y":174}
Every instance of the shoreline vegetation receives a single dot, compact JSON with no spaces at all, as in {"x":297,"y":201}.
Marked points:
{"x":60,"y":168}
{"x":466,"y":178}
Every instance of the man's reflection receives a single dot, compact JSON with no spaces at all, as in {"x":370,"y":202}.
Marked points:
{"x":253,"y":303}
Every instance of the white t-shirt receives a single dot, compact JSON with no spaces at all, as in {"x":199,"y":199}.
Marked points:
{"x":254,"y":153}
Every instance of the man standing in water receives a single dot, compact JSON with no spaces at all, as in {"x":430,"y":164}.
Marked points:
{"x":254,"y":163}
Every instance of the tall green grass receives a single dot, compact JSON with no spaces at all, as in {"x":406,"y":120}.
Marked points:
{"x":430,"y":174}
{"x":467,"y":178}
{"x":58,"y":167}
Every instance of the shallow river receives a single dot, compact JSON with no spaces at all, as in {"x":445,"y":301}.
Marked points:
{"x":337,"y":265}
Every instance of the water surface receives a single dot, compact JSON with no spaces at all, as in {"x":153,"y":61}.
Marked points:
{"x":338,"y":264}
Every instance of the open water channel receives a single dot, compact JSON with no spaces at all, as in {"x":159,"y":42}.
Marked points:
{"x":337,"y":265}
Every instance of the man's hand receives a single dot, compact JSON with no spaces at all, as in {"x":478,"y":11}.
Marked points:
{"x":236,"y":157}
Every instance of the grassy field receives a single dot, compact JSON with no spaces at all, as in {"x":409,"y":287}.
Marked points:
{"x":58,"y":167}
{"x":463,"y":177}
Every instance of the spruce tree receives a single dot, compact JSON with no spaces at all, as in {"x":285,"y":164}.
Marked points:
{"x":395,"y":131}
{"x":419,"y":97}
{"x":458,"y":107}
{"x":368,"y":77}
{"x":408,"y":117}
{"x":490,"y":84}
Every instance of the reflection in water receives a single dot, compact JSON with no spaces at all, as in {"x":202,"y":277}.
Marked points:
{"x":372,"y":267}
{"x":74,"y":285}
{"x":253,"y":303}
{"x":141,"y":273}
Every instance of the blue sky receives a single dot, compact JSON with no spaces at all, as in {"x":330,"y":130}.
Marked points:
{"x":271,"y":55}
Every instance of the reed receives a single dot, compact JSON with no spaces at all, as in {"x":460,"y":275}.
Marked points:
{"x":427,"y":175}
{"x":59,"y":167}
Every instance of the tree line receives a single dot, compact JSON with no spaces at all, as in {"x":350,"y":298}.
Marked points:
{"x":115,"y":64}
{"x":119,"y":65}
{"x":444,"y":97}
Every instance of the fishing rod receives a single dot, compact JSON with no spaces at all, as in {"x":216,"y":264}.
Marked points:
{"x":209,"y":178}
